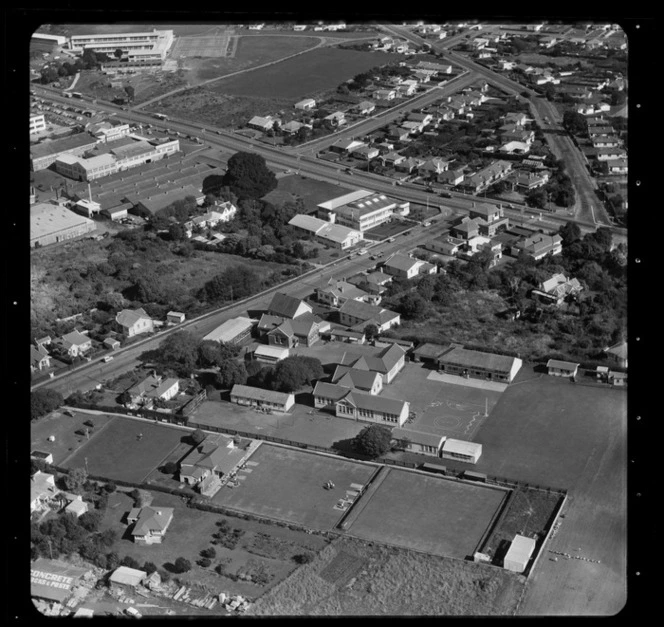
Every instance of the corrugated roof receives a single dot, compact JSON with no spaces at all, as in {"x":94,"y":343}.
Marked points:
{"x":230,"y":329}
{"x":417,"y":437}
{"x":259,"y":394}
{"x":376,"y":403}
{"x":461,"y":447}
{"x":471,"y":359}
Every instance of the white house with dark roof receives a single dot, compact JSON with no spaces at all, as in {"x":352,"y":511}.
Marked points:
{"x":75,"y":343}
{"x":406,"y":267}
{"x":150,"y":523}
{"x":42,"y":491}
{"x":305,"y":105}
{"x":134,"y":322}
{"x":354,"y":313}
{"x":263,"y":123}
{"x":559,"y":368}
{"x":366,"y":106}
{"x":39,"y":358}
{"x":336,"y":292}
{"x":152,"y":388}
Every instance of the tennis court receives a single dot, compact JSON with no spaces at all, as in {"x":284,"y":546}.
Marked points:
{"x":288,"y":484}
{"x":433,"y":514}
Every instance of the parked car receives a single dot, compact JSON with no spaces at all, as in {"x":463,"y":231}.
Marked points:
{"x":132,"y":611}
{"x":107,"y":358}
{"x":446,"y":194}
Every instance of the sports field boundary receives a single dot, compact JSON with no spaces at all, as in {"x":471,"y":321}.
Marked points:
{"x":373,"y":484}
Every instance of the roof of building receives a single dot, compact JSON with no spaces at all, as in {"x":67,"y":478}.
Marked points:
{"x":521,"y":549}
{"x":128,"y":576}
{"x":337,"y":232}
{"x":345,"y":199}
{"x":618,"y":350}
{"x":297,"y":327}
{"x":129,"y":317}
{"x":75,"y":338}
{"x":361,"y":310}
{"x":354,"y":378}
{"x":53,"y":580}
{"x":462,"y":447}
{"x":341,"y":289}
{"x":285,"y":305}
{"x":37,"y":353}
{"x":152,"y":518}
{"x":417,"y":437}
{"x":65,"y":144}
{"x":307,"y":222}
{"x":430,"y":350}
{"x":563,"y":365}
{"x":372,"y":402}
{"x":221,"y":454}
{"x":271,"y":351}
{"x":259,"y":394}
{"x":229,"y":330}
{"x":398,"y":261}
{"x":47,"y":218}
{"x":330,"y":390}
{"x":163,"y":387}
{"x":476,"y":359}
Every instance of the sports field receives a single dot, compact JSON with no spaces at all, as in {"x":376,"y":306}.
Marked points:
{"x":288,"y":484}
{"x":202,"y":46}
{"x":432,"y":514}
{"x":117,"y":453}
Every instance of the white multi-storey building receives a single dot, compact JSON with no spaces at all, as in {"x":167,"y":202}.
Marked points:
{"x":146,"y":46}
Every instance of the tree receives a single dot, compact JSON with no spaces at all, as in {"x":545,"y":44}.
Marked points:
{"x":198,"y":436}
{"x":150,"y":567}
{"x":76,"y":479}
{"x":230,"y":373}
{"x":570,"y":233}
{"x":129,"y":90}
{"x":182,"y":565}
{"x":414,"y":306}
{"x":130,"y":562}
{"x":43,"y":401}
{"x":248,"y":176}
{"x":373,"y":441}
{"x":178,"y":351}
{"x":177,"y":232}
{"x":118,"y":53}
{"x":575,"y":123}
{"x":371,"y":331}
{"x":90,"y":520}
{"x":293,"y":372}
{"x":169,"y":468}
{"x":210,"y":552}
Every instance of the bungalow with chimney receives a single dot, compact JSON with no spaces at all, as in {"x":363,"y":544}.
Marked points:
{"x":132,"y":322}
{"x":150,"y":523}
{"x":405,"y":267}
{"x":288,"y":306}
{"x":336,"y":292}
{"x":303,"y":331}
{"x":153,"y":387}
{"x":39,"y":358}
{"x":556,"y":289}
{"x":75,"y":343}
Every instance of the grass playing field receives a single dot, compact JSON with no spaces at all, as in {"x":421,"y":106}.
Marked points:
{"x":288,"y":484}
{"x":432,"y":514}
{"x":117,"y":453}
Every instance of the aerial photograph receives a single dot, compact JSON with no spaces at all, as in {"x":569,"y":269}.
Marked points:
{"x":328,"y":318}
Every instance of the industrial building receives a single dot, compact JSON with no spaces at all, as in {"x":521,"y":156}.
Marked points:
{"x":45,"y":153}
{"x":362,"y":209}
{"x":233,"y":331}
{"x":335,"y":235}
{"x":52,"y":223}
{"x":37,"y":123}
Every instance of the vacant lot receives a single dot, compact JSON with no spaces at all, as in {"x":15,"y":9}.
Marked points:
{"x":394,"y":582}
{"x":551,"y":432}
{"x":287,"y":484}
{"x":305,"y":75}
{"x":432,"y":514}
{"x":117,"y":453}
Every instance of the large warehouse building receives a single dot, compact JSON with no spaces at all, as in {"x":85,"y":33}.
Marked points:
{"x":362,"y":209}
{"x":51,"y":223}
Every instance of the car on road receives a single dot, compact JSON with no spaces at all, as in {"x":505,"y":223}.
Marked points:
{"x":363,"y":251}
{"x":107,"y":358}
{"x":391,"y":239}
{"x":446,"y":194}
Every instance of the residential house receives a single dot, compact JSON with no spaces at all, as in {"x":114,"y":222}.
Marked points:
{"x":338,"y":118}
{"x":397,"y":133}
{"x":75,"y":343}
{"x":336,"y":292}
{"x":218,"y":455}
{"x":556,"y":289}
{"x":413,"y":127}
{"x":418,"y":442}
{"x":487,"y":176}
{"x":610,"y":154}
{"x":452,"y":177}
{"x":617,"y":354}
{"x":132,"y":322}
{"x":293,"y":127}
{"x":150,"y":523}
{"x":367,"y":153}
{"x":39,"y":358}
{"x":42,"y":491}
{"x":406,"y":267}
{"x":409,"y":164}
{"x":375,"y":409}
{"x":385,"y":94}
{"x":445,"y":245}
{"x":606,"y":141}
{"x":617,"y":166}
{"x":559,"y":368}
{"x":392,"y":159}
{"x":422,"y":77}
{"x":262,"y":399}
{"x":74,"y":504}
{"x":365,"y":107}
{"x":406,"y":89}
{"x":153,"y":387}
{"x":388,"y":363}
{"x":538,"y":245}
{"x":288,"y":306}
{"x":111,"y":343}
{"x":347,"y":145}
{"x":305,"y":105}
{"x":263,"y":123}
{"x":479,"y":365}
{"x":355,"y":314}
{"x":347,"y":336}
{"x":525,"y":181}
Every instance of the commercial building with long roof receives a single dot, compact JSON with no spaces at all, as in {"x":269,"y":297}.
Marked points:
{"x":52,"y":223}
{"x":362,"y":209}
{"x":233,"y":331}
{"x":479,"y":365}
{"x":44,"y":154}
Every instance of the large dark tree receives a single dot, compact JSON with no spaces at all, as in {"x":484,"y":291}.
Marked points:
{"x":248,"y":176}
{"x":43,"y":401}
{"x":294,"y":372}
{"x":230,"y":373}
{"x":178,"y":351}
{"x":373,"y":440}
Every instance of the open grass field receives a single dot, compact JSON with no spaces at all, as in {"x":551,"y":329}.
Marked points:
{"x":63,"y":428}
{"x":302,"y":76}
{"x":391,"y":582}
{"x":288,"y":484}
{"x":550,"y":432}
{"x":217,"y":45}
{"x":117,"y":453}
{"x":455,"y":411}
{"x":311,"y":191}
{"x":431,"y":514}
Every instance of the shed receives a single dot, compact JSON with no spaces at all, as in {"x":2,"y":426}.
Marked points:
{"x":461,"y":450}
{"x":124,"y":577}
{"x":558,"y":368}
{"x":520,"y":551}
{"x":270,"y":354}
